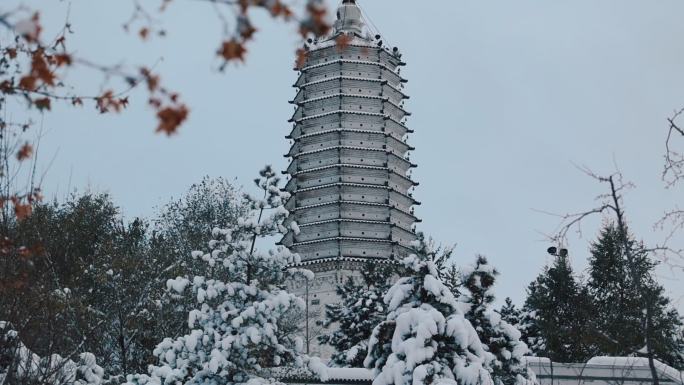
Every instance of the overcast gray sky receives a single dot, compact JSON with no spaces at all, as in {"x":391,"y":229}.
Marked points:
{"x":506,"y":95}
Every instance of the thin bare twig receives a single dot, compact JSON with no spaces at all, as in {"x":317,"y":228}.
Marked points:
{"x":674,"y":160}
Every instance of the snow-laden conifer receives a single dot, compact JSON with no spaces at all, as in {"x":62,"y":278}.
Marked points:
{"x":233,"y":333}
{"x":360,"y":309}
{"x":510,"y":313}
{"x":498,"y":336}
{"x":425,"y":338}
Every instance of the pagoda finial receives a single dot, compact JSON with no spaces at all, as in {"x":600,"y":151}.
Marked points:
{"x":349,"y":18}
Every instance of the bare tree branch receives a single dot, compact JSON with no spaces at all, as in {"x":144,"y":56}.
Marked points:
{"x":674,"y":159}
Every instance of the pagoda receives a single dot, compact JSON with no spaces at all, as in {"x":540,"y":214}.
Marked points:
{"x":349,"y":177}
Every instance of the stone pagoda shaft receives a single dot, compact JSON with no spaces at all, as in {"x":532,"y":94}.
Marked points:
{"x":349,"y":174}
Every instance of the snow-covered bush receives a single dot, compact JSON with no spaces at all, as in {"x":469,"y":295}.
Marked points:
{"x":234,"y":329}
{"x":19,"y":365}
{"x":425,"y":338}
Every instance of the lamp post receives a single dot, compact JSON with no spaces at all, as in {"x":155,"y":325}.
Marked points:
{"x":557,"y":251}
{"x":307,"y":315}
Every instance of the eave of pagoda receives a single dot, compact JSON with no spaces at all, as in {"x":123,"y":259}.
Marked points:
{"x":404,"y":147}
{"x":299,"y":97}
{"x":290,"y":239}
{"x":342,"y":77}
{"x":345,"y":61}
{"x":349,"y":112}
{"x":360,"y":239}
{"x":382,"y":66}
{"x":408,"y":197}
{"x":385,"y":99}
{"x":389,"y":152}
{"x":358,"y":203}
{"x":293,"y":169}
{"x":345,"y":220}
{"x":358,"y":221}
{"x":390,"y":57}
{"x":335,"y":112}
{"x":343,"y":130}
{"x":350,"y":239}
{"x":406,"y":182}
{"x":292,"y":136}
{"x":358,"y":166}
{"x":389,"y":111}
{"x":292,"y":203}
{"x":323,"y":263}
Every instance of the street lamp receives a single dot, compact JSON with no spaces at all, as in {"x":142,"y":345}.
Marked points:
{"x":557,"y":252}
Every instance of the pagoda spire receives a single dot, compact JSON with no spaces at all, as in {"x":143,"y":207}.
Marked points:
{"x":349,"y":18}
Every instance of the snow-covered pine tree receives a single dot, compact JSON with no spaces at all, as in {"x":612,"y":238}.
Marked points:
{"x":452,"y":278}
{"x":234,"y":331}
{"x":622,"y":286}
{"x":555,"y":315}
{"x":530,"y":332}
{"x":479,"y":282}
{"x":360,"y":309}
{"x":498,"y":336}
{"x":510,"y":313}
{"x":425,"y":338}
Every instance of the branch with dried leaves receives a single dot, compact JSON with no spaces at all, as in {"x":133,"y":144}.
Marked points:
{"x":34,"y":69}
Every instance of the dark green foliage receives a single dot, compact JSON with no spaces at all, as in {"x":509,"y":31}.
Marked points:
{"x":510,"y":313}
{"x":360,"y":310}
{"x":628,"y":300}
{"x":498,"y":336}
{"x":453,"y":279}
{"x":616,"y":296}
{"x":479,"y":283}
{"x":614,"y":314}
{"x":557,"y":313}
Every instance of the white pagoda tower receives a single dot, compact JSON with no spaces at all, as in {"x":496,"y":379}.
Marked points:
{"x":351,"y":192}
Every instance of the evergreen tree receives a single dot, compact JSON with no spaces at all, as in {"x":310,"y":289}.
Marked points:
{"x":361,"y":308}
{"x":425,"y":338}
{"x":530,"y":331}
{"x":556,"y":313}
{"x":663,"y":326}
{"x":629,"y":302}
{"x":449,"y":273}
{"x":453,"y":279}
{"x":233,"y":330}
{"x":510,"y":313}
{"x":498,"y":336}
